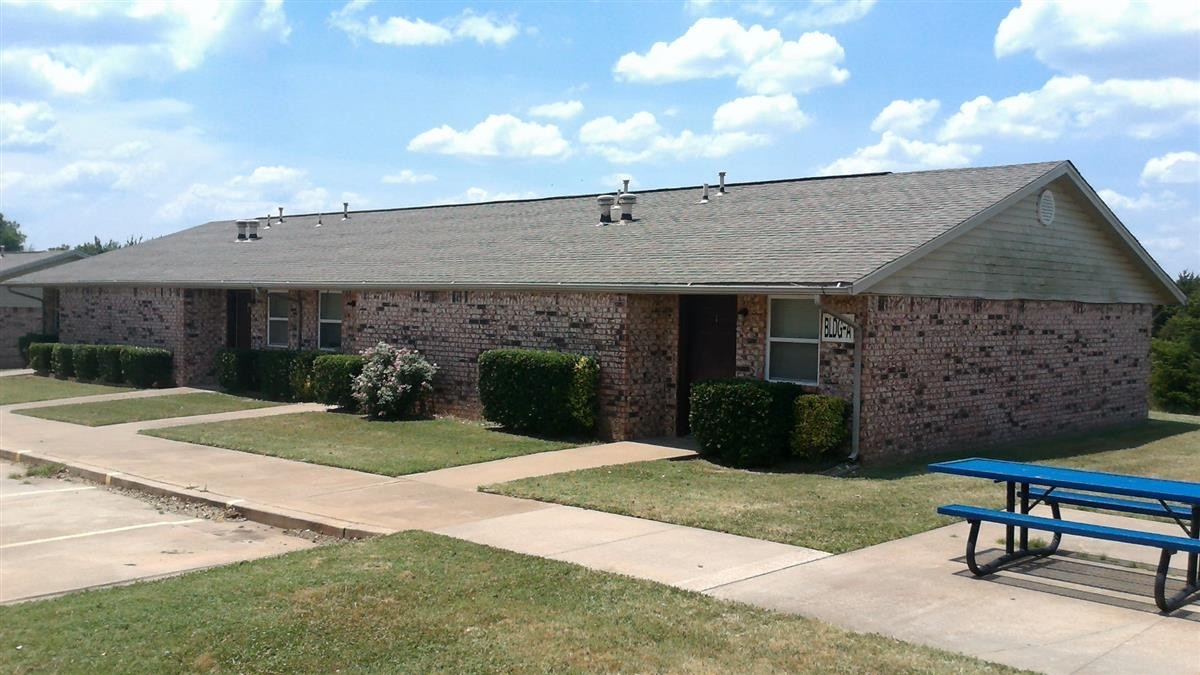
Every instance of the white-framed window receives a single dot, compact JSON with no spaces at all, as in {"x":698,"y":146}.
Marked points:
{"x":793,"y":340}
{"x":329,"y":324}
{"x":277,"y":319}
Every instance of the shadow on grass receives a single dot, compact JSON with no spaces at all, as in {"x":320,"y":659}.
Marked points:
{"x":1071,"y":445}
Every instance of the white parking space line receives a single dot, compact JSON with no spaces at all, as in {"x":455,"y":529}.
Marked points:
{"x":99,"y":532}
{"x":46,"y":492}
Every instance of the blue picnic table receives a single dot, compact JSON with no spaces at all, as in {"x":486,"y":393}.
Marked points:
{"x":1028,"y":485}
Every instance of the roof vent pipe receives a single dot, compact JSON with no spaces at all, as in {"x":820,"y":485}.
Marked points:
{"x":241,"y":230}
{"x":626,"y":202}
{"x":721,"y":188}
{"x":345,"y":210}
{"x":625,"y":183}
{"x":281,"y":215}
{"x":606,"y":203}
{"x":319,"y":217}
{"x":267,"y":222}
{"x":253,"y":227}
{"x":704,"y":195}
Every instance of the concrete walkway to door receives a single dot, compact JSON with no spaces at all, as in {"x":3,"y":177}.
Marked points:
{"x":913,"y":589}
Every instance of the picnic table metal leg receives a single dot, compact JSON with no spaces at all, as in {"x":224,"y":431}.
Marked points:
{"x":1024,"y":509}
{"x":1193,"y":573}
{"x":1010,"y":504}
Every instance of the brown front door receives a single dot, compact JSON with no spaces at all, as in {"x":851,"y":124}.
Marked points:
{"x":237,"y":319}
{"x":707,"y":339}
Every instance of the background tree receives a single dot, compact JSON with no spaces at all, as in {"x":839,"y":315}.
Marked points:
{"x":96,"y":247}
{"x":1188,"y":282}
{"x":1175,"y":354}
{"x":11,"y":237}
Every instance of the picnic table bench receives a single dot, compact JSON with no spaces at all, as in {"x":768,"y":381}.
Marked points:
{"x":1028,"y":485}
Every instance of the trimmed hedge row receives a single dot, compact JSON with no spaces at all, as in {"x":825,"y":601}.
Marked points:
{"x":541,"y":392}
{"x":27,"y":339}
{"x":114,"y":364}
{"x":755,"y":423}
{"x":333,"y":379}
{"x":289,"y":375}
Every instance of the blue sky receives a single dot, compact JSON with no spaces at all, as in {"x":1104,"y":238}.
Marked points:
{"x":142,"y":118}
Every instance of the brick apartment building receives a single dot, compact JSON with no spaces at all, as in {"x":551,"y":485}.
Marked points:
{"x":968,"y":306}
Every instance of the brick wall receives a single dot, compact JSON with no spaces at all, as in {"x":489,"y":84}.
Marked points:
{"x":652,"y":341}
{"x":453,"y":328}
{"x":962,"y":373}
{"x":189,"y":322}
{"x":15,"y":322}
{"x":750,"y":358}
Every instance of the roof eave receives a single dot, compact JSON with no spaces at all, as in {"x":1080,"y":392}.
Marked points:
{"x":692,"y":288}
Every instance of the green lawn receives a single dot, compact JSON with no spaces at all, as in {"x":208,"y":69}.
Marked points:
{"x":147,"y":408}
{"x":351,"y":442}
{"x":28,"y":388}
{"x":420,"y":603}
{"x":843,"y":514}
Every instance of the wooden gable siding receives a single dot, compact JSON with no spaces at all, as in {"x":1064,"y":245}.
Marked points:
{"x":1013,"y":256}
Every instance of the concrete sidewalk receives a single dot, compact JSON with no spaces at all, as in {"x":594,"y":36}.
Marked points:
{"x":914,"y":589}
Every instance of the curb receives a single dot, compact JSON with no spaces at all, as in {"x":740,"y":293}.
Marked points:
{"x":266,"y":514}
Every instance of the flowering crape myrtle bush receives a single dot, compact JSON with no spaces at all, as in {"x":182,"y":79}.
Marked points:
{"x":395,"y":382}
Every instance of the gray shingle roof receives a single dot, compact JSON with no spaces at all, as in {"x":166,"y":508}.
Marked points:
{"x":17,"y":263}
{"x":804,"y":231}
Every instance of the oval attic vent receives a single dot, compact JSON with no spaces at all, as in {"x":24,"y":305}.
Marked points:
{"x":1045,"y":208}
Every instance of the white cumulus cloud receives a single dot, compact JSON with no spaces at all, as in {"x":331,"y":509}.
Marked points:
{"x":26,"y":126}
{"x":1076,"y":105}
{"x":821,"y":13}
{"x":170,"y":37}
{"x":1104,"y":38}
{"x":905,"y":117}
{"x":559,"y":110}
{"x":608,"y":130}
{"x":761,"y":60}
{"x":496,"y":136}
{"x":408,"y":177}
{"x":405,"y":32}
{"x":1173,"y":167}
{"x":760,"y":112}
{"x":1162,"y":201}
{"x":897,"y":153}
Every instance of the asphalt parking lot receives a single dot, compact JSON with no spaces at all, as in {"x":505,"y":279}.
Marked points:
{"x":58,"y":536}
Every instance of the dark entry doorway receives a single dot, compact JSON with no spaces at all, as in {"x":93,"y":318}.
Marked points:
{"x":237,"y":319}
{"x":707,"y":345}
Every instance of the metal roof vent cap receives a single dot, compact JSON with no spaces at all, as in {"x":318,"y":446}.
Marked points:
{"x":626,"y":202}
{"x":345,"y":210}
{"x":253,"y":227}
{"x":267,"y":222}
{"x":242,"y":226}
{"x":721,"y":187}
{"x":1045,"y":207}
{"x":704,"y":195}
{"x":281,"y":215}
{"x":624,"y":185}
{"x":606,"y":204}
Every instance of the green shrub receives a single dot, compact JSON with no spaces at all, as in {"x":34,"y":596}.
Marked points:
{"x":273,"y":369}
{"x":744,"y":423}
{"x":87,"y":362}
{"x":108,"y":363}
{"x":62,"y":360}
{"x":538,"y":391}
{"x":236,"y":370}
{"x":146,"y":366}
{"x":27,"y":339}
{"x":333,"y":379}
{"x":39,"y":357}
{"x":300,"y":376}
{"x":395,"y":382}
{"x":820,"y":425}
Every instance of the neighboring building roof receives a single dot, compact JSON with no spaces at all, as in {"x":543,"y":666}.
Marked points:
{"x":17,"y":263}
{"x":817,"y":233}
